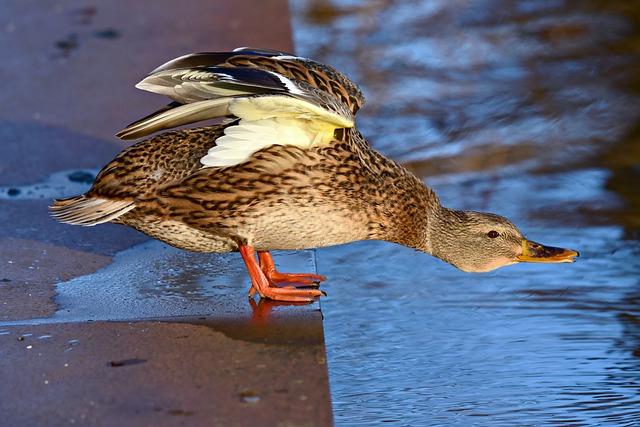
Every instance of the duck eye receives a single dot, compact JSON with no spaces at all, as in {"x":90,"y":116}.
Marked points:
{"x":493,"y":234}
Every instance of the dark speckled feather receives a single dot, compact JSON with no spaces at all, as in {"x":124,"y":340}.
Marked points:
{"x":283,"y":198}
{"x":321,"y":76}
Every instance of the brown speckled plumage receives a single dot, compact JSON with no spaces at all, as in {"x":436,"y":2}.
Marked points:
{"x":283,"y":198}
{"x":320,"y":76}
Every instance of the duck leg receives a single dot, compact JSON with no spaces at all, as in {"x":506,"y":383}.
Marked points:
{"x":262,"y":285}
{"x":296,"y":280}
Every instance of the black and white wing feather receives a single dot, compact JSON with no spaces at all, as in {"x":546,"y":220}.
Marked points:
{"x":273,"y":107}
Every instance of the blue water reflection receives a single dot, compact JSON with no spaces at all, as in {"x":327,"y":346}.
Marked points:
{"x":526,"y":109}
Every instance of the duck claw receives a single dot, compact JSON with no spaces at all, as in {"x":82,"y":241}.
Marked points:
{"x":297,"y":280}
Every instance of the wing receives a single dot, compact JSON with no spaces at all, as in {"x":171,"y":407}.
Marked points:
{"x":274,"y":107}
{"x":315,"y":74}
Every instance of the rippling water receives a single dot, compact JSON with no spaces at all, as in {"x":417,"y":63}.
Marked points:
{"x":525,"y":108}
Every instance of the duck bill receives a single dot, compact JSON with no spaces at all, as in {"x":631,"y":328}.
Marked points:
{"x":535,"y":252}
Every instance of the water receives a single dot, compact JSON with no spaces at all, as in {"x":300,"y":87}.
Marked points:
{"x":523,"y":108}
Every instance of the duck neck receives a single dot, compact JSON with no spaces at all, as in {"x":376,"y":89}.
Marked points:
{"x":443,"y":232}
{"x":410,"y":210}
{"x":425,"y":225}
{"x":403,"y":210}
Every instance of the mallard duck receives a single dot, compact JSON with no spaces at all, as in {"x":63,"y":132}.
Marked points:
{"x":285,"y":169}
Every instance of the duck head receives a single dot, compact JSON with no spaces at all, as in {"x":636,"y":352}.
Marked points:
{"x":480,"y":242}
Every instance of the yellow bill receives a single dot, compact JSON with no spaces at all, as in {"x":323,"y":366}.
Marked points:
{"x":535,"y":252}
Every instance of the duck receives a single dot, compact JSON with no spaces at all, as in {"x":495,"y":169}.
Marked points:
{"x":281,"y":167}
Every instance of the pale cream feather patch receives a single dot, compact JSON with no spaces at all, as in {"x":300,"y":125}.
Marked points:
{"x":273,"y":120}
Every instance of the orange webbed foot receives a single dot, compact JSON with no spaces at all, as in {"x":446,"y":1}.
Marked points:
{"x":289,"y":294}
{"x":269,"y":283}
{"x":287,"y":280}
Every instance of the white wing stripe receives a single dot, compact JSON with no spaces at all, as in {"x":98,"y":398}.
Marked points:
{"x":291,"y":86}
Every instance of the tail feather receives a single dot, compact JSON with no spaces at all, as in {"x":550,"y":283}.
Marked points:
{"x":89,"y":211}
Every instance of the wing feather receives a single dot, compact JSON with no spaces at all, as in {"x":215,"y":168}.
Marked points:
{"x":279,"y":98}
{"x":207,"y":59}
{"x":190,"y":85}
{"x":167,"y":118}
{"x":272,"y":120}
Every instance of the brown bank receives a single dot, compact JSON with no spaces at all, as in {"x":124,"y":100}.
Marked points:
{"x":100,"y":326}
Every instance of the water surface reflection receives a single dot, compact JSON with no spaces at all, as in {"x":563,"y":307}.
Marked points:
{"x":523,"y":108}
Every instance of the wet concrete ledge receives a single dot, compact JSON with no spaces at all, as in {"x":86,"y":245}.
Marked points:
{"x":101,"y":326}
